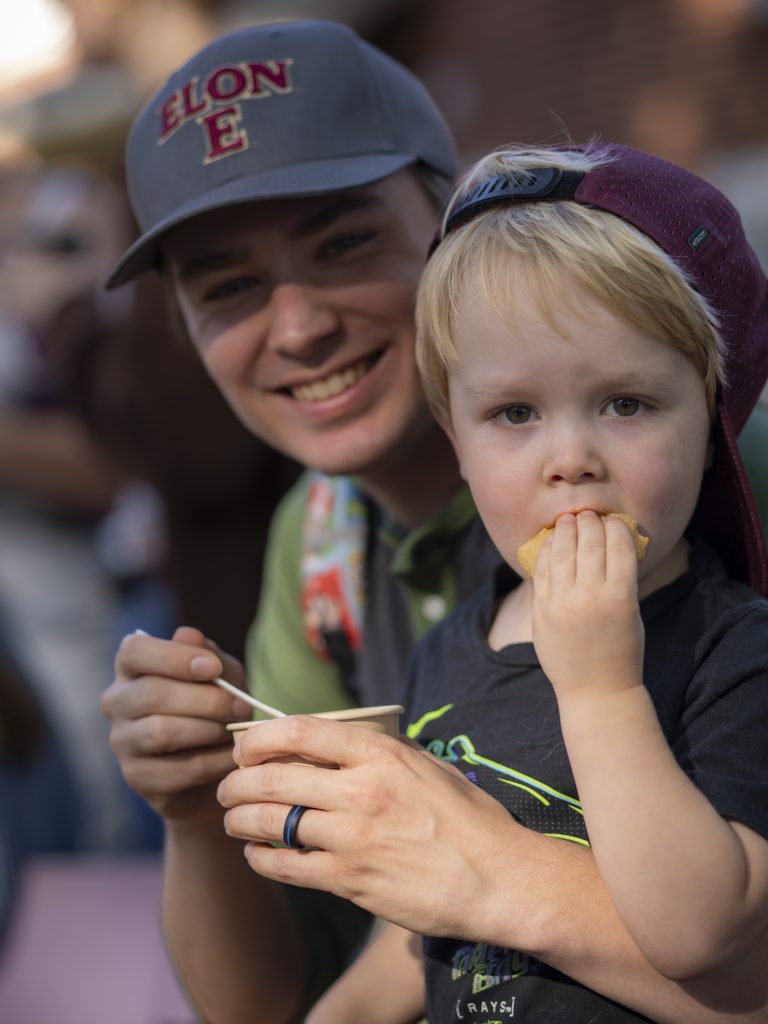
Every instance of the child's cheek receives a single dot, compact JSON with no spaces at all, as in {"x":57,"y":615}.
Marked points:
{"x":505,"y":520}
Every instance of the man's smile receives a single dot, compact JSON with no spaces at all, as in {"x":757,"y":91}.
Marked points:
{"x":334,"y":384}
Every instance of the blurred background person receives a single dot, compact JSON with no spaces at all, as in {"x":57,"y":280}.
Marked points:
{"x":60,"y":604}
{"x":108,"y":453}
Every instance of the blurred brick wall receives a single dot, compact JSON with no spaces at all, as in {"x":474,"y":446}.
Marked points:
{"x":681,"y":78}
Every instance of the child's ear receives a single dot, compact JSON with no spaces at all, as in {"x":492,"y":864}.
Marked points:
{"x":452,"y":438}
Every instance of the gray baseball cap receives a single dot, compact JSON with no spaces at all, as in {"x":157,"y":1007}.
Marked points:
{"x":274,"y":110}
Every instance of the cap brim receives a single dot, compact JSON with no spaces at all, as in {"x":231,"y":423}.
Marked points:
{"x":726,"y":515}
{"x":283,"y":182}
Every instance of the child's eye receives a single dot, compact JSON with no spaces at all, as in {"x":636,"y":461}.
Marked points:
{"x":625,"y":405}
{"x":517,"y":414}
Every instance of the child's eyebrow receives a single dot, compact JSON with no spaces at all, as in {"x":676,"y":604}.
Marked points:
{"x":483,"y":391}
{"x":645,"y":380}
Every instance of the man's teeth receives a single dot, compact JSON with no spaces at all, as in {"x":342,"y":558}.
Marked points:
{"x":331,"y":386}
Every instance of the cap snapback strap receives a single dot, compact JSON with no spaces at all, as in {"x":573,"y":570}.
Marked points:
{"x":549,"y":183}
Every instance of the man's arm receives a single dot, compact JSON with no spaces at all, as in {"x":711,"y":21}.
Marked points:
{"x":232,"y":935}
{"x":238,"y":941}
{"x":168,"y":732}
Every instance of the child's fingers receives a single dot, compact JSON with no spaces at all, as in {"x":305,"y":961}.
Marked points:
{"x":541,"y":577}
{"x":621,"y":558}
{"x":590,"y":552}
{"x":562,"y":558}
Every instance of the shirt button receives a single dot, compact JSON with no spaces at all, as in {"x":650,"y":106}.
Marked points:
{"x":433,"y":608}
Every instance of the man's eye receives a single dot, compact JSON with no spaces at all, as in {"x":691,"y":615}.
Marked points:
{"x":344,"y":243}
{"x":232,"y":286}
{"x":625,"y":405}
{"x":517,"y":414}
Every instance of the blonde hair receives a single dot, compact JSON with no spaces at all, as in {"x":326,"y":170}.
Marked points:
{"x":550,"y":247}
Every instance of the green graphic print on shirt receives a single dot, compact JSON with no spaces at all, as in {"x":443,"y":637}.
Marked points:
{"x":479,"y":968}
{"x":530,"y":801}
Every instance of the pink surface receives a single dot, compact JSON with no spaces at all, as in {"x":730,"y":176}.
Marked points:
{"x":85,"y":946}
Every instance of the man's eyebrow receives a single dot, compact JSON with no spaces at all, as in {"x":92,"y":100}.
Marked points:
{"x":332,"y":211}
{"x":214,"y":259}
{"x":221,"y":259}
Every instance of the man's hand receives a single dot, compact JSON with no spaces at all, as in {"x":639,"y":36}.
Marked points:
{"x":168,"y":721}
{"x":384,"y":827}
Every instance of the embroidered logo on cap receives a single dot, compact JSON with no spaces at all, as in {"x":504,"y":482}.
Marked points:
{"x":698,"y":238}
{"x":215,"y":103}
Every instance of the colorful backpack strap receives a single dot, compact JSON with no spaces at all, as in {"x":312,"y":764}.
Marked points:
{"x":332,"y":569}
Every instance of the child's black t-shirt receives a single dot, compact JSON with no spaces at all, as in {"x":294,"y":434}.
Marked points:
{"x":494,"y":715}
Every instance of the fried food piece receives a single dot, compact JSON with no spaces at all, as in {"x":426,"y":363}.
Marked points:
{"x":529,"y":552}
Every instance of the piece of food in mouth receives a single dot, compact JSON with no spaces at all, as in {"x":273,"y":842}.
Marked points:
{"x":529,"y":551}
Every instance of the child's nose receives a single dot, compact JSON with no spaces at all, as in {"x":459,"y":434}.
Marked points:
{"x":572,"y":458}
{"x":301,"y":318}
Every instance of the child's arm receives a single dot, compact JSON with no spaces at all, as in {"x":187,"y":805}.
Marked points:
{"x":691,"y":887}
{"x":384,"y":985}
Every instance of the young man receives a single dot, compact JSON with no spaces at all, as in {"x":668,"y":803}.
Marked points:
{"x":286,"y":180}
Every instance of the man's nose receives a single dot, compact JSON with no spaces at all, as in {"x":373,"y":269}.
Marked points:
{"x":302,"y":322}
{"x":572,"y":456}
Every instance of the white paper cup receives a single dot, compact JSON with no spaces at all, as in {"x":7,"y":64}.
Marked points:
{"x":383,"y":718}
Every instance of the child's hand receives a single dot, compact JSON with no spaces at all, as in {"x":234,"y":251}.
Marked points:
{"x":586,"y":620}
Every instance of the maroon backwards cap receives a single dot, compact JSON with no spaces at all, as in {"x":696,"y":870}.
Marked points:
{"x":701,"y":230}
